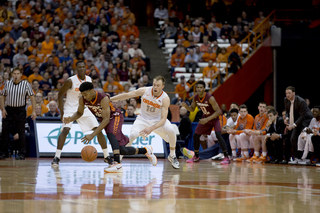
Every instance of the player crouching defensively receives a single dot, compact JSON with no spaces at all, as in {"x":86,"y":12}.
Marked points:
{"x":153,"y":115}
{"x":111,"y":120}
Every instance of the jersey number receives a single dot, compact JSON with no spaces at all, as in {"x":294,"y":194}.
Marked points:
{"x":203,"y":109}
{"x":150,"y":109}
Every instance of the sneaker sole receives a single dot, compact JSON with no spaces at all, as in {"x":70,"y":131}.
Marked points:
{"x":54,"y":165}
{"x":172,"y":165}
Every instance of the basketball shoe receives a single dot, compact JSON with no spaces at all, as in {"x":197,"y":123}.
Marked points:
{"x":55,"y":161}
{"x":188,"y":153}
{"x":261,"y":160}
{"x":174,"y":162}
{"x":243,"y":158}
{"x":114,"y":168}
{"x":225,"y":161}
{"x":254,"y":157}
{"x":193,"y":159}
{"x":152,"y":158}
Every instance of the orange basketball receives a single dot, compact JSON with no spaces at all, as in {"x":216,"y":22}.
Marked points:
{"x":89,"y":153}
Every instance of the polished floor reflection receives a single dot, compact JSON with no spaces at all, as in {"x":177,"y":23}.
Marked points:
{"x":77,"y":186}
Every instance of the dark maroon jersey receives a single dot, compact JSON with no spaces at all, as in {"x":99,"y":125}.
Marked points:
{"x":204,"y":105}
{"x":96,"y":108}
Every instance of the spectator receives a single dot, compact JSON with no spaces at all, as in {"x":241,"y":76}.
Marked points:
{"x":181,"y":92}
{"x":160,"y":14}
{"x":169,"y":33}
{"x":133,"y":78}
{"x":52,"y":110}
{"x":130,"y":111}
{"x":177,"y":60}
{"x":47,"y":45}
{"x":225,"y":31}
{"x":245,"y":33}
{"x":137,"y":59}
{"x":191,"y":61}
{"x":65,"y":57}
{"x":127,"y":14}
{"x":134,"y":49}
{"x":16,"y":31}
{"x":234,"y":47}
{"x":101,"y":64}
{"x":145,"y":81}
{"x":235,"y":33}
{"x":5,"y":58}
{"x":179,"y":45}
{"x":35,"y":75}
{"x":116,"y":85}
{"x":204,"y":46}
{"x":133,"y":102}
{"x":39,"y":101}
{"x":23,"y":38}
{"x":197,"y":35}
{"x":223,"y":56}
{"x":209,"y":55}
{"x":45,"y":85}
{"x":133,"y":28}
{"x":20,"y":58}
{"x":123,"y":72}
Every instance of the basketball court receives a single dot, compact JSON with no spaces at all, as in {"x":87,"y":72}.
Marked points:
{"x":78,"y":186}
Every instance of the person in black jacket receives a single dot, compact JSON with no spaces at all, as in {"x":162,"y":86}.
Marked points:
{"x":275,"y":136}
{"x":298,"y":116}
{"x":185,"y":124}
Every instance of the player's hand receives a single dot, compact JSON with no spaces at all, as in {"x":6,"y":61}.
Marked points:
{"x":203,"y":121}
{"x":315,"y":132}
{"x":231,"y":131}
{"x":66,"y":120}
{"x":274,"y":136}
{"x":86,"y":139}
{"x":286,"y":121}
{"x":184,"y":104}
{"x":4,"y":113}
{"x":144,"y":133}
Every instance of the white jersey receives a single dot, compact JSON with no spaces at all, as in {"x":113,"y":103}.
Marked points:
{"x":73,"y":94}
{"x":150,"y":105}
{"x":314,"y":124}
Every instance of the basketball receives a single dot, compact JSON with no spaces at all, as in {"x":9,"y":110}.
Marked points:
{"x":89,"y":153}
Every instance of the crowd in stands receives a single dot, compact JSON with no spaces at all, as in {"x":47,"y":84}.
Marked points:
{"x":201,"y":45}
{"x":46,"y":38}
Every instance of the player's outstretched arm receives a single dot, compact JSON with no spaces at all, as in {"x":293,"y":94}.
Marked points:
{"x":132,"y":94}
{"x":190,"y":108}
{"x":61,"y":94}
{"x":77,"y":114}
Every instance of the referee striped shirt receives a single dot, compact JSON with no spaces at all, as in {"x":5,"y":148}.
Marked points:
{"x":16,"y":94}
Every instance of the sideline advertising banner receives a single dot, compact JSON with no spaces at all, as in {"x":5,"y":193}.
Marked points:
{"x":47,"y":134}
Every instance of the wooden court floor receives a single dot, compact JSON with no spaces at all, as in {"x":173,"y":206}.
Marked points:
{"x":77,"y":186}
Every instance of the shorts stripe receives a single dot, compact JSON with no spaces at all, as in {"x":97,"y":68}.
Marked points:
{"x":116,"y":124}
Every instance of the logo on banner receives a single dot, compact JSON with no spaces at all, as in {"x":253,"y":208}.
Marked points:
{"x":54,"y":135}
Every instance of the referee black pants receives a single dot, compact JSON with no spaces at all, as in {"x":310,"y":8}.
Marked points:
{"x":15,"y":115}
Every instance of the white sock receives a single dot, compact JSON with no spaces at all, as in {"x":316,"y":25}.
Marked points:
{"x":246,"y":153}
{"x":105,"y":153}
{"x":234,"y":153}
{"x":242,"y":153}
{"x":58,"y":153}
{"x":264,"y":154}
{"x":172,"y":152}
{"x":257,"y":154}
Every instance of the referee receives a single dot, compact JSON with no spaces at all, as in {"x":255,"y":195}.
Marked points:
{"x":14,"y":95}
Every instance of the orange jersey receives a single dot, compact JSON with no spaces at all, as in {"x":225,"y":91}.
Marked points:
{"x":260,"y":122}
{"x":180,"y":89}
{"x":209,"y":56}
{"x":44,"y":109}
{"x":244,"y":123}
{"x":177,"y":61}
{"x":236,"y":48}
{"x":222,"y":120}
{"x":47,"y":47}
{"x":208,"y":72}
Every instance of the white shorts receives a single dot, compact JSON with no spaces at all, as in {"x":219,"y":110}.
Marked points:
{"x":166,"y":132}
{"x":86,"y":122}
